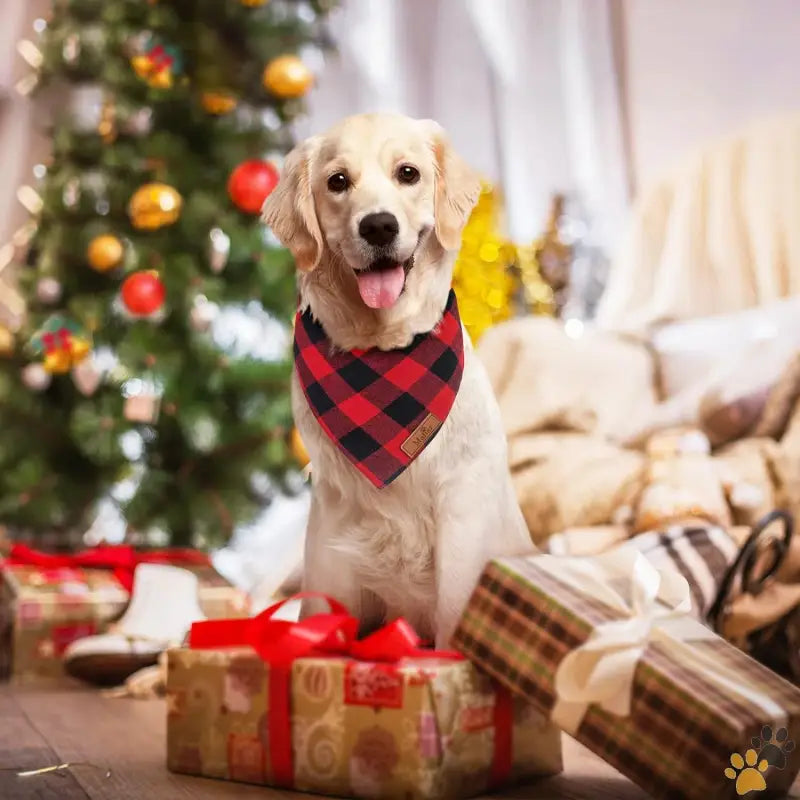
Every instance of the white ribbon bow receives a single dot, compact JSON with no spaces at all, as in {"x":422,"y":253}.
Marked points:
{"x":601,"y":671}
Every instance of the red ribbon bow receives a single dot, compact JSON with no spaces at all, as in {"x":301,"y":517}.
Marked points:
{"x":121,"y":559}
{"x":280,"y":642}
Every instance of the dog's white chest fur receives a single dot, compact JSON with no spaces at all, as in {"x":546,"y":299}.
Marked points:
{"x":389,"y":551}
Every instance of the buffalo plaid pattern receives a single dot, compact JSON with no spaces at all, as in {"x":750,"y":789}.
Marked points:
{"x":682,"y":730}
{"x":381,"y":407}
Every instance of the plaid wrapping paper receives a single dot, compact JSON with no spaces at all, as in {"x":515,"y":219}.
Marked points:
{"x":381,"y":407}
{"x":42,"y":611}
{"x":683,"y":730}
{"x":421,"y":728}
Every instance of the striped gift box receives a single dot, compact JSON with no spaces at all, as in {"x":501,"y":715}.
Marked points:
{"x":684,"y":735}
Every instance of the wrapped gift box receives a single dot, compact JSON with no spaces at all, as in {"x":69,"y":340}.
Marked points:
{"x":605,"y":647}
{"x":412,"y":728}
{"x":45,"y":606}
{"x":42,"y":611}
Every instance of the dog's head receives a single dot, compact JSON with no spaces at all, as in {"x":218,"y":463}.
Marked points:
{"x":369,"y":202}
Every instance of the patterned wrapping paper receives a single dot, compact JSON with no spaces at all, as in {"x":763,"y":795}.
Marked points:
{"x":42,"y":611}
{"x":683,"y":730}
{"x":422,"y":728}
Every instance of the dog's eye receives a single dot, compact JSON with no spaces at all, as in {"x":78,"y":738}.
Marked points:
{"x":338,"y":182}
{"x":408,"y":174}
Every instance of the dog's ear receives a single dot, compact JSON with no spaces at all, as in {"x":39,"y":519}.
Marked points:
{"x":456,"y":192}
{"x":289,"y":210}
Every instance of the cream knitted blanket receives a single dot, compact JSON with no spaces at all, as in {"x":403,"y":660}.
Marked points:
{"x":719,"y":233}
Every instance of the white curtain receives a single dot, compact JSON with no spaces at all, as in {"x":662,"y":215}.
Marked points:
{"x":528,"y":90}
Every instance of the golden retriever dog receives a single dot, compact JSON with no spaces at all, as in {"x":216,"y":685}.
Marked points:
{"x":373,"y":212}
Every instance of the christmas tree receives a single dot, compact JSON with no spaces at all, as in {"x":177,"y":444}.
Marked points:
{"x":127,"y":379}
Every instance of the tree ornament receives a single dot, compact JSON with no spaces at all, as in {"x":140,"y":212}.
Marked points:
{"x":105,"y":252}
{"x":63,"y":343}
{"x":86,"y":377}
{"x":203,"y":313}
{"x":154,"y":206}
{"x":138,"y":122}
{"x":254,"y":3}
{"x":35,"y":377}
{"x":298,"y":449}
{"x":156,"y":62}
{"x":143,"y":398}
{"x":287,"y":76}
{"x":218,"y":103}
{"x":58,"y":362}
{"x":143,"y":293}
{"x":48,"y":290}
{"x":219,"y":248}
{"x":250,"y":184}
{"x":6,"y":342}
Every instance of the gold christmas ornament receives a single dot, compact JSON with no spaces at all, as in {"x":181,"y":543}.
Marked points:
{"x":58,"y":362}
{"x":81,"y":348}
{"x":254,"y":3}
{"x":287,"y":76}
{"x":6,"y":342}
{"x":483,"y":278}
{"x":298,"y":449}
{"x":105,"y":252}
{"x":218,"y":103}
{"x":154,"y":206}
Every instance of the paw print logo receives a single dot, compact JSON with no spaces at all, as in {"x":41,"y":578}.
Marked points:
{"x":770,"y":749}
{"x":773,"y":746}
{"x":747,"y":772}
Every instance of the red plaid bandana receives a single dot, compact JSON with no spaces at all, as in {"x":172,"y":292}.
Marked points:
{"x":381,"y":407}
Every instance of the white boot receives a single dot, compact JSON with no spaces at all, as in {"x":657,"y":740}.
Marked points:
{"x":162,"y":608}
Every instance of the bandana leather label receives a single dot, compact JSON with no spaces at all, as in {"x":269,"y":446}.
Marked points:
{"x":381,"y":408}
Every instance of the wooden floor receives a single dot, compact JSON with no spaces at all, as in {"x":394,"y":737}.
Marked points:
{"x":117,"y":748}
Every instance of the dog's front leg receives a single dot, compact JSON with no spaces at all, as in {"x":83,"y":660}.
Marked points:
{"x":330,"y":572}
{"x":461,"y":554}
{"x":326,"y":570}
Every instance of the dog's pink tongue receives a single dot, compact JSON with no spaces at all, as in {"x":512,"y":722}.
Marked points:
{"x":380,"y":289}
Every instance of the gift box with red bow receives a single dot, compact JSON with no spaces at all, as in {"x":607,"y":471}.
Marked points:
{"x":306,"y":706}
{"x":607,"y":648}
{"x":47,"y":601}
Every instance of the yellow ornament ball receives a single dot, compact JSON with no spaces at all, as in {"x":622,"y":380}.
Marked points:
{"x":153,"y":206}
{"x":217,"y":103}
{"x":298,"y":448}
{"x":105,"y":252}
{"x":254,"y":3}
{"x":287,"y":76}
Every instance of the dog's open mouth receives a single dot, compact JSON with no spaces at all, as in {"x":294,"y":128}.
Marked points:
{"x":382,"y":283}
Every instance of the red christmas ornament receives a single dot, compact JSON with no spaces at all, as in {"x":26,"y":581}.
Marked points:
{"x":143,"y":293}
{"x":251,"y":183}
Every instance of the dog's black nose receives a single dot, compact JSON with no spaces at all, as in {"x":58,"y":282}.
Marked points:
{"x":379,"y":229}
